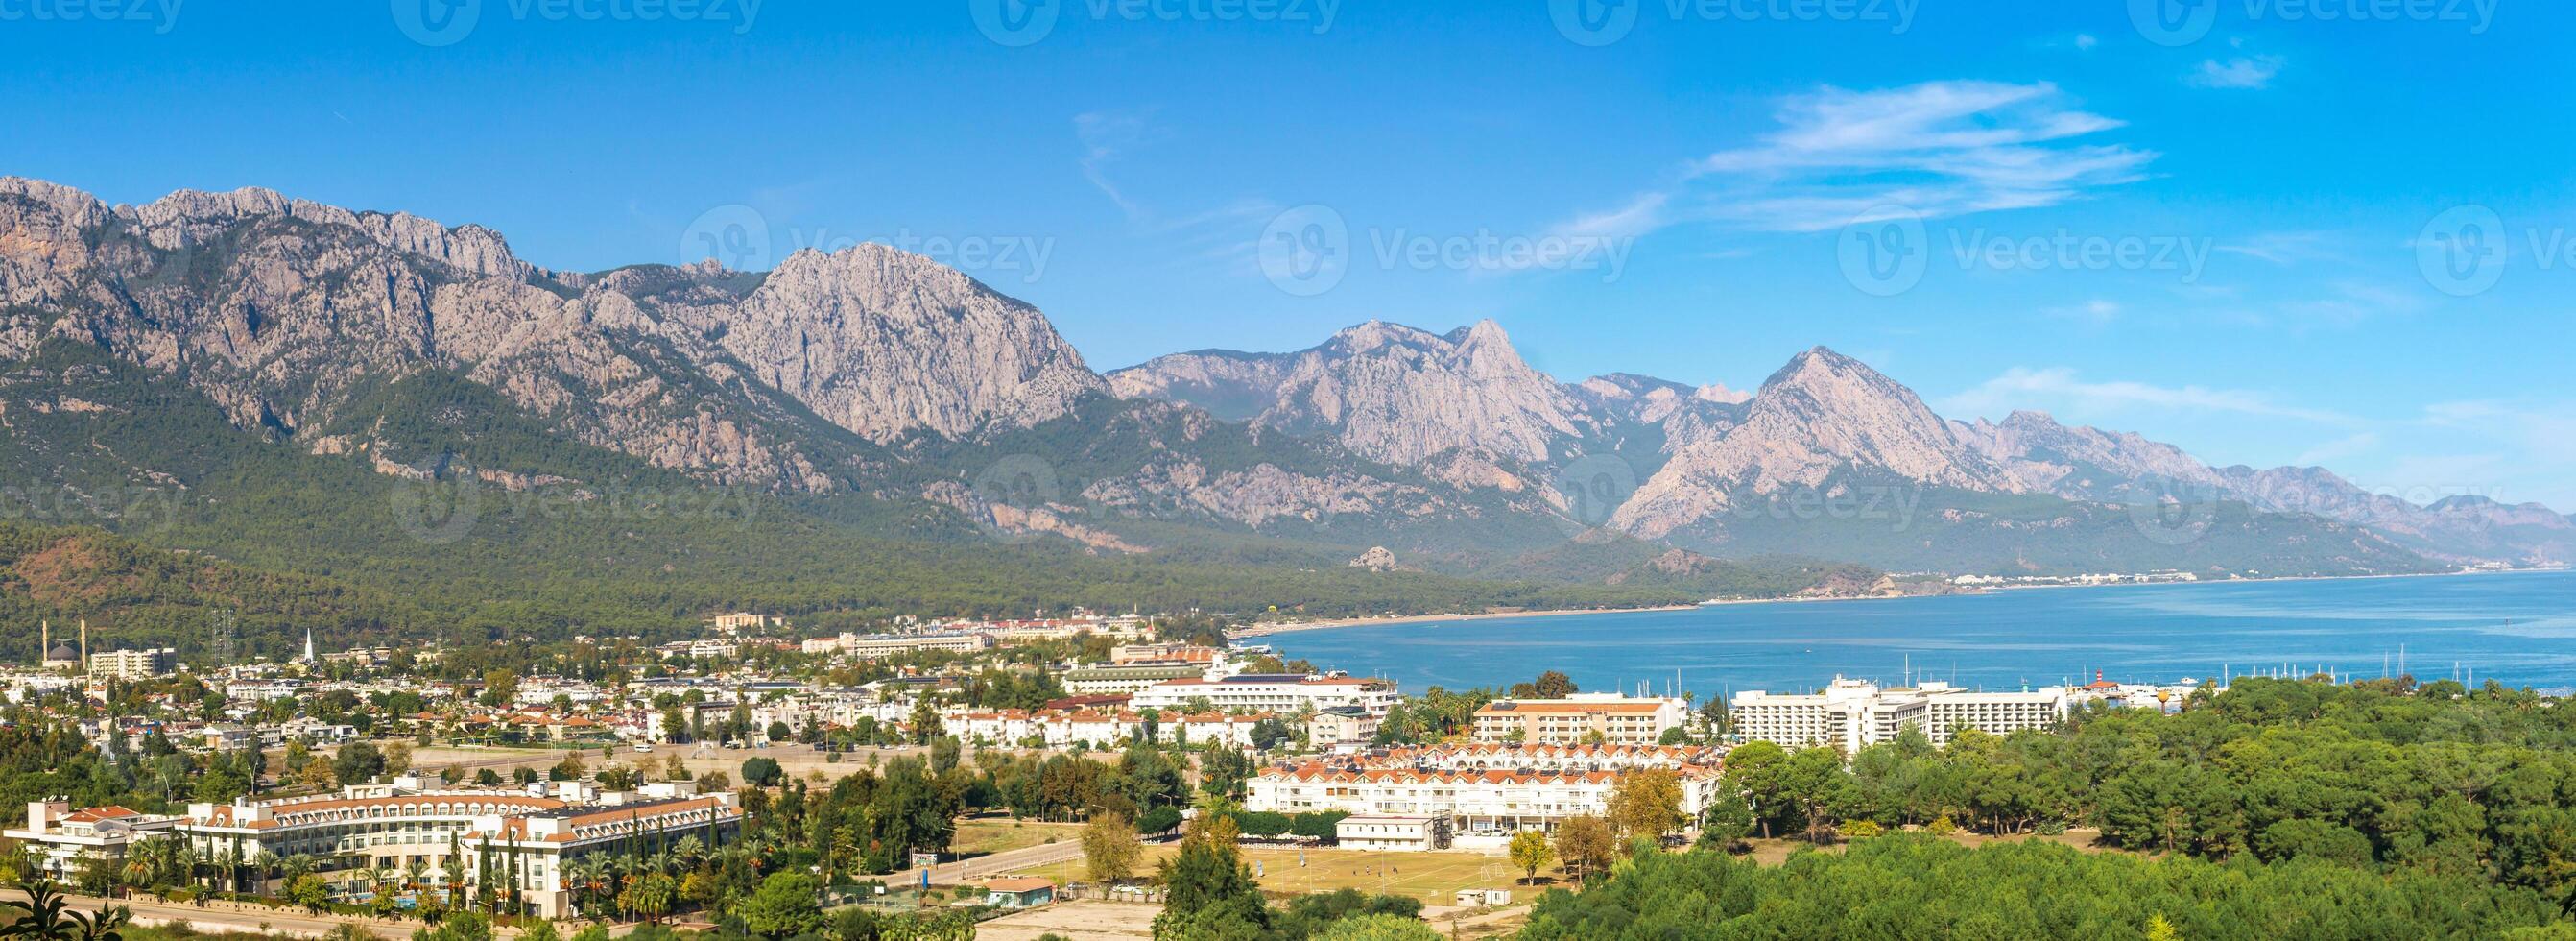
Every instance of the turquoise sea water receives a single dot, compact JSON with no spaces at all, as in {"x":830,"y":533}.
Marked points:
{"x":2517,"y":628}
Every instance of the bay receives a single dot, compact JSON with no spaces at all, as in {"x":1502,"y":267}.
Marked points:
{"x":2518,"y":628}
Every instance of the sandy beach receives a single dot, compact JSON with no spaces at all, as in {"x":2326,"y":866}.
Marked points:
{"x":1263,"y":630}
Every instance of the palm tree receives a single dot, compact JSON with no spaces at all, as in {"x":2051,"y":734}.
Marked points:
{"x":296,"y":866}
{"x":264,"y":866}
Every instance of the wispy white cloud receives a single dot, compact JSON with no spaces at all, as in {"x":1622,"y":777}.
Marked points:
{"x":2060,"y":387}
{"x":1936,"y":148}
{"x":2244,"y":71}
{"x":1105,"y":136}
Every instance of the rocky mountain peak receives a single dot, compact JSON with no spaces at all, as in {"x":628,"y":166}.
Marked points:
{"x":1387,"y":391}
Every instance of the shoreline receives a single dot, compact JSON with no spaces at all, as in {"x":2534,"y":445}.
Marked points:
{"x":1266,"y":630}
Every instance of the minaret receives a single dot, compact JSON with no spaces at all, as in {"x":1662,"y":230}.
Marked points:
{"x":84,"y":664}
{"x":308,"y":647}
{"x":45,"y":644}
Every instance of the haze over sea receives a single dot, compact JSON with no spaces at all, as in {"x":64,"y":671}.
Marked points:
{"x":2517,"y":628}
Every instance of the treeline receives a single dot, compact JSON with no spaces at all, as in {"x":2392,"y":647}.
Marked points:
{"x":2438,"y":779}
{"x":1919,"y":886}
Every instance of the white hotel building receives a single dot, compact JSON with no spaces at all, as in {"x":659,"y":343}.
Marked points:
{"x":1485,"y":790}
{"x":1281,"y":693}
{"x":1849,"y":714}
{"x":527,"y":838}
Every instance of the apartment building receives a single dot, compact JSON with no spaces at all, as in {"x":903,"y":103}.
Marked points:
{"x":134,"y":664}
{"x":62,"y":841}
{"x":1127,"y":678}
{"x":528,"y":838}
{"x":1282,"y":693}
{"x":1612,"y":718}
{"x":1849,"y":714}
{"x":1489,"y":793}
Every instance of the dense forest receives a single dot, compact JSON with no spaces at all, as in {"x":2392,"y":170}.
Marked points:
{"x":2276,"y":809}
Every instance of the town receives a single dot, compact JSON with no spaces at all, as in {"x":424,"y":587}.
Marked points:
{"x":963,"y":770}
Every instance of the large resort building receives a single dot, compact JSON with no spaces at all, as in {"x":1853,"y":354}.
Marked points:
{"x":1282,"y":693}
{"x":1606,"y":718}
{"x":1482,"y":793}
{"x":517,"y":841}
{"x":1849,"y":714}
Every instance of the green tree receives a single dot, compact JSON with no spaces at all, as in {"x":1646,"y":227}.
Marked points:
{"x":1529,"y":852}
{"x":785,"y":906}
{"x":1110,"y":848}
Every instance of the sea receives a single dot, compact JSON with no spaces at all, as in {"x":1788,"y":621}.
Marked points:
{"x":2517,"y":628}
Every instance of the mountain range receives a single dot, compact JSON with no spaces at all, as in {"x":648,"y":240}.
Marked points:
{"x":877,"y":390}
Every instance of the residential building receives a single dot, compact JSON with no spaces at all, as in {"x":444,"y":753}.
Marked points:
{"x":1390,"y":832}
{"x":1340,"y":726}
{"x":1849,"y":714}
{"x":886,"y":645}
{"x":1126,"y":678}
{"x":1610,"y":718}
{"x":1283,"y":693}
{"x":63,"y":841}
{"x":1488,"y":792}
{"x":134,"y":664}
{"x":1165,"y":653}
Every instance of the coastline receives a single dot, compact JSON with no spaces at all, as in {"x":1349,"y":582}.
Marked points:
{"x":1265,"y":630}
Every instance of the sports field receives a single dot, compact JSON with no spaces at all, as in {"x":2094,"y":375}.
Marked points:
{"x":1433,"y":877}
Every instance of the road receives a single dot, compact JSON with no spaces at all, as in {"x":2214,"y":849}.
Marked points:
{"x":1026,"y":857}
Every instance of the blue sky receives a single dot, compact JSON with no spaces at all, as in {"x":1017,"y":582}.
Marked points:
{"x":2310,"y":231}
